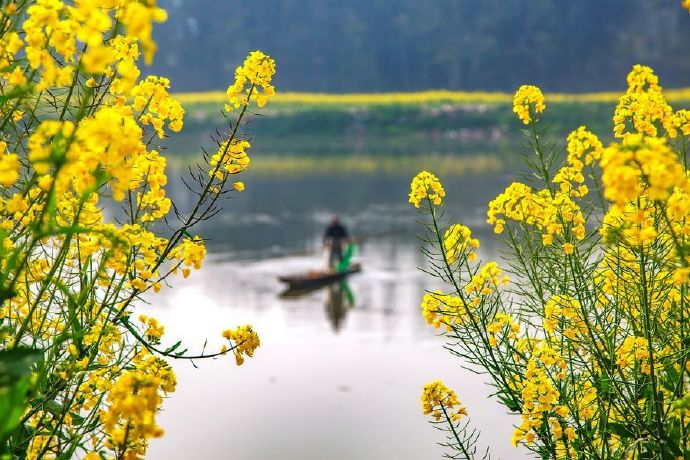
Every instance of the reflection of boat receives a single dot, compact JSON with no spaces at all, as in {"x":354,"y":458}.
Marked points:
{"x":338,"y":302}
{"x":316,"y":279}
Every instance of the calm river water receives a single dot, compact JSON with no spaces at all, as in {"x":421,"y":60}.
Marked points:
{"x":335,"y":378}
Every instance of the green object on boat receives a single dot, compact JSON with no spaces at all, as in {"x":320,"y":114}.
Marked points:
{"x":344,"y":263}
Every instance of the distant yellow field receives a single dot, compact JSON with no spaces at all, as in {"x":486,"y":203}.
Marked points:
{"x":421,"y":97}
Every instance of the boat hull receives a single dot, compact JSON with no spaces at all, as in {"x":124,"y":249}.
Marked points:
{"x":318,"y":280}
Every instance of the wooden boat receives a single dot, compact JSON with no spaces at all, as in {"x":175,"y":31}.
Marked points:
{"x":318,"y":278}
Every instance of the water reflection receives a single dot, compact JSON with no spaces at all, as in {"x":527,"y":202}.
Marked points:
{"x":339,"y":301}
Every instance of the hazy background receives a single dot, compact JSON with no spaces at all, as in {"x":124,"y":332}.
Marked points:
{"x":403,"y":45}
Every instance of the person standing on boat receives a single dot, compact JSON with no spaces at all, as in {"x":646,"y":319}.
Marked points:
{"x":334,"y":239}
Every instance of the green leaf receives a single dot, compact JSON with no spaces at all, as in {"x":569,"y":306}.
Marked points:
{"x":16,"y":364}
{"x":53,"y":407}
{"x":174,"y":347}
{"x":620,"y":429}
{"x":12,"y":404}
{"x":15,"y":376}
{"x":16,"y":93}
{"x":508,"y":402}
{"x":20,"y":441}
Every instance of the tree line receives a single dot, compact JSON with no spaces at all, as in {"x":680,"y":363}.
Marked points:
{"x":406,"y":45}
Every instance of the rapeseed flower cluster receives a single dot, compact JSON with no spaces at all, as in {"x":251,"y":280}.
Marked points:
{"x":633,"y":351}
{"x":190,"y":254}
{"x":528,"y":103}
{"x":587,"y":342}
{"x":252,"y":81}
{"x":584,"y":148}
{"x":154,"y":330}
{"x":9,"y":166}
{"x":150,"y":173}
{"x":439,"y":401}
{"x":541,"y":398}
{"x":486,"y":280}
{"x":680,"y":122}
{"x":79,"y":131}
{"x":155,"y":106}
{"x":641,"y":165}
{"x":441,"y":309}
{"x":553,"y":214}
{"x":134,"y":399}
{"x":643,"y":107}
{"x":246,"y":342}
{"x":563,"y":314}
{"x":502,"y":324}
{"x":426,"y":185}
{"x":231,"y":158}
{"x":456,"y":240}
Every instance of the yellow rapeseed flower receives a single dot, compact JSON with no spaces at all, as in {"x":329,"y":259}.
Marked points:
{"x":583,"y":149}
{"x":16,"y":204}
{"x":440,"y":401}
{"x":138,"y":19}
{"x":456,"y":242}
{"x":252,"y":81}
{"x":134,"y":399}
{"x":548,"y":212}
{"x":634,"y":350}
{"x":444,"y":309}
{"x":642,"y":106}
{"x":246,"y":341}
{"x":528,"y":102}
{"x":156,"y":106}
{"x":680,"y":121}
{"x":641,"y":165}
{"x":540,"y":395}
{"x":486,"y":280}
{"x":9,"y":166}
{"x":426,"y":185}
{"x":190,"y":253}
{"x":502,"y":323}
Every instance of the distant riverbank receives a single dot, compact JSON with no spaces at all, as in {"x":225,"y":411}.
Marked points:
{"x":396,"y":124}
